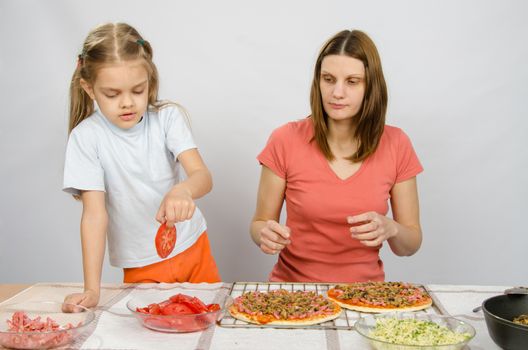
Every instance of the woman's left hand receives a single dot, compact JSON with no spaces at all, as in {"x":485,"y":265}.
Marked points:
{"x":178,"y":205}
{"x":371,"y":228}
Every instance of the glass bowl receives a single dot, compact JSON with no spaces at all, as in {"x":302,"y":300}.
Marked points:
{"x":175,"y":323}
{"x":366,"y":325}
{"x":45,"y":338}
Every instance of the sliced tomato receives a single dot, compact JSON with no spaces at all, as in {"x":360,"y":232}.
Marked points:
{"x":165,"y":240}
{"x":177,"y":309}
{"x":197,"y":308}
{"x":154,"y":309}
{"x":178,"y":298}
{"x":213,"y":307}
{"x":143,"y":310}
{"x":164,"y":303}
{"x":192,"y":302}
{"x":180,"y":304}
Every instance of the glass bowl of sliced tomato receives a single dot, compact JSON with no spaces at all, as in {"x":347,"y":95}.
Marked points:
{"x":42,"y":325}
{"x":178,"y":313}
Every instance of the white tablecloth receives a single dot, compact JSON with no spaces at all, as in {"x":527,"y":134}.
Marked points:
{"x":115,"y":329}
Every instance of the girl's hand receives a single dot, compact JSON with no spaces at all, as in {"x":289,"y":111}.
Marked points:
{"x":371,"y":228}
{"x":178,"y":205}
{"x":87,"y":299}
{"x":274,"y":237}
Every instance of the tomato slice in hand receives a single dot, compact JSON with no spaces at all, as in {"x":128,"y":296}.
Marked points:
{"x":165,"y":240}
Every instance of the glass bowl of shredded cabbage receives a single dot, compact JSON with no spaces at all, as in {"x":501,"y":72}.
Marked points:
{"x":414,"y":331}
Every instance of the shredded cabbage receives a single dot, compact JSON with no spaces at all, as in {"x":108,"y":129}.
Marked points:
{"x":415,"y":332}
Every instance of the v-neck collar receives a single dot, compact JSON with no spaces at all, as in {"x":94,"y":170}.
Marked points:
{"x":332,"y":173}
{"x":326,"y":165}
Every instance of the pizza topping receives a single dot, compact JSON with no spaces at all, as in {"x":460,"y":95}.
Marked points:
{"x":382,"y":294}
{"x":522,"y":319}
{"x":283,"y":305}
{"x":415,"y":332}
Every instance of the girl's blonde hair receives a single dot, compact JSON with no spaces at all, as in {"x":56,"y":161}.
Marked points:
{"x":106,"y":44}
{"x":370,"y":120}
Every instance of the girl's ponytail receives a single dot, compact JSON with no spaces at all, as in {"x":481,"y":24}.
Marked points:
{"x":81,"y":105}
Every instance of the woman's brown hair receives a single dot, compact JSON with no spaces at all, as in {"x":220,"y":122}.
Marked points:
{"x":106,"y":44}
{"x":370,"y":119}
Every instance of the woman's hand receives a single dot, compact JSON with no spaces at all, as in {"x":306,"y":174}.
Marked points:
{"x":178,"y":205}
{"x":371,"y":228}
{"x":87,"y":299}
{"x":274,"y":237}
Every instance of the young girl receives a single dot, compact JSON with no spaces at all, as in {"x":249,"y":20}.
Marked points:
{"x":123,"y":159}
{"x":336,"y":170}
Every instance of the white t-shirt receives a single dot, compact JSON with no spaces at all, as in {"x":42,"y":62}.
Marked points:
{"x":136,"y":168}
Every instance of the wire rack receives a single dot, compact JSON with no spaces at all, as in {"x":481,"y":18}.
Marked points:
{"x":344,"y":322}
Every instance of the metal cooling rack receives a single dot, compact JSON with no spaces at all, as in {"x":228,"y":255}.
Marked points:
{"x":344,"y":322}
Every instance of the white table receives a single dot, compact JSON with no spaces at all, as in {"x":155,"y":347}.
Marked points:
{"x":112,"y":330}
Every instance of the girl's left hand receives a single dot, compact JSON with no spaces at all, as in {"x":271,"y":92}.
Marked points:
{"x":178,"y":205}
{"x":371,"y":228}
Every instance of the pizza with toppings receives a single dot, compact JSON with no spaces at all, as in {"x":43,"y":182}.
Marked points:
{"x":281,"y":307}
{"x":380,"y":296}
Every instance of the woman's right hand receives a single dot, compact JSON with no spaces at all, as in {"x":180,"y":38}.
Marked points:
{"x":274,"y":237}
{"x":88,"y":298}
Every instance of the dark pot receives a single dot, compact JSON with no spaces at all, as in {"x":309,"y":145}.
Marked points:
{"x":499,"y":311}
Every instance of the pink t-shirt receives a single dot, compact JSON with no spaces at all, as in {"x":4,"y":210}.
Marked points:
{"x":318,"y":203}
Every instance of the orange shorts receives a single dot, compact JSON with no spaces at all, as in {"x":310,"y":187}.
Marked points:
{"x":195,"y":264}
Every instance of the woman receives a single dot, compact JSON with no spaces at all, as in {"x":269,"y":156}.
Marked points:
{"x":337,"y":170}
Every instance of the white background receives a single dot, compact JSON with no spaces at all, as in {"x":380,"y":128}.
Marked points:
{"x":456,"y":71}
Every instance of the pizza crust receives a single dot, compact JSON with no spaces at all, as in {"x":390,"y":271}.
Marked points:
{"x":306,"y":322}
{"x":367,"y":309}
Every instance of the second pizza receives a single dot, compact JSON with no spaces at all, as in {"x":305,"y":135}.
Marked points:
{"x":380,"y":296}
